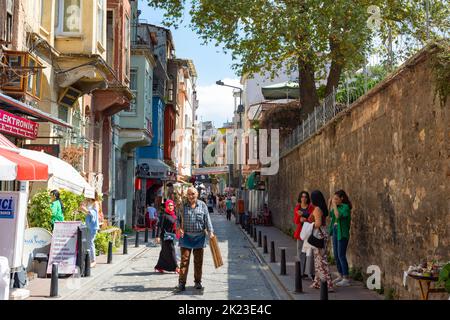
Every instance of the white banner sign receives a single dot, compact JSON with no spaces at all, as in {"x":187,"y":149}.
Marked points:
{"x":63,"y":250}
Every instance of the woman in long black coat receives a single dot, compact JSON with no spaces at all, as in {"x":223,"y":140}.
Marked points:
{"x":167,"y":224}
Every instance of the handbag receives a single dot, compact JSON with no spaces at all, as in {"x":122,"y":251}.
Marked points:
{"x":316,"y":242}
{"x":168,"y":235}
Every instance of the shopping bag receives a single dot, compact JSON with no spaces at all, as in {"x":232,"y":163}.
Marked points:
{"x":215,"y":251}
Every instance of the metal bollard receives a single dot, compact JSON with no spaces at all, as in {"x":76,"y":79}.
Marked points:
{"x":298,"y":277}
{"x":87,"y":265}
{"x":265,"y":245}
{"x":153,"y":232}
{"x":259,"y":239}
{"x":110,"y":247}
{"x":136,"y":242}
{"x":251,"y":231}
{"x":146,"y":235}
{"x":255,"y":235}
{"x":125,"y":244}
{"x":272,"y":252}
{"x":323,"y":290}
{"x":54,"y":281}
{"x":283,"y":262}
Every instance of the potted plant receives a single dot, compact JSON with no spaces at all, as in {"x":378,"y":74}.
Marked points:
{"x":444,"y":277}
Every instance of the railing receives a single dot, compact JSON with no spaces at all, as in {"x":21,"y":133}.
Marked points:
{"x":158,"y":88}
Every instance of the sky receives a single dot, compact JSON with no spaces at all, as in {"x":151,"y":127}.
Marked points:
{"x":216,"y":103}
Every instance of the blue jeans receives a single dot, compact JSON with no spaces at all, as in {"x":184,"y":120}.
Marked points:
{"x":91,"y":243}
{"x":340,"y":253}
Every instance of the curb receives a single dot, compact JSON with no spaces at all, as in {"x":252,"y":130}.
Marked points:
{"x":263,"y":260}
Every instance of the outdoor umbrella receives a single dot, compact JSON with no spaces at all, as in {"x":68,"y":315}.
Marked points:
{"x":283,"y":90}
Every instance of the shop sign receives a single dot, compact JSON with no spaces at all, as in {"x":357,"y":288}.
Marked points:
{"x":8,"y":204}
{"x":63,"y":250}
{"x":18,"y":126}
{"x":51,"y":149}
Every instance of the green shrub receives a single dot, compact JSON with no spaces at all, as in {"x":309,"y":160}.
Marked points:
{"x":356,"y":274}
{"x":103,"y":238}
{"x":71,"y":203}
{"x":39,"y":211}
{"x":389,"y":294}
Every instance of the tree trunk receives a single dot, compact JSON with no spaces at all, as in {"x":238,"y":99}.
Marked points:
{"x":308,"y":91}
{"x":333,"y":77}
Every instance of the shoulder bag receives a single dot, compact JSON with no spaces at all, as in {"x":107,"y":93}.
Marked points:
{"x":167,"y":235}
{"x":316,"y":242}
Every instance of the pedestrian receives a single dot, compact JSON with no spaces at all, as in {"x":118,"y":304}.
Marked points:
{"x":339,"y":229}
{"x":98,"y":207}
{"x":193,"y":223}
{"x":167,"y":232}
{"x":56,"y":207}
{"x":210,"y":205}
{"x":302,"y":213}
{"x":318,"y":218}
{"x":229,"y":207}
{"x":93,"y":225}
{"x":152,"y":216}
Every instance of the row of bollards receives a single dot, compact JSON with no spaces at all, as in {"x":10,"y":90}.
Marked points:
{"x":257,"y":237}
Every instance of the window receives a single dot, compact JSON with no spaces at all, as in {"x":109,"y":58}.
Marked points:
{"x":134,"y":90}
{"x":9,"y":21}
{"x":100,"y":18}
{"x":63,"y":113}
{"x":68,"y":17}
{"x":110,"y":38}
{"x":127,"y":46}
{"x":41,"y":11}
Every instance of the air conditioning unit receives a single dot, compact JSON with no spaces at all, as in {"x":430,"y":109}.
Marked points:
{"x":69,"y":96}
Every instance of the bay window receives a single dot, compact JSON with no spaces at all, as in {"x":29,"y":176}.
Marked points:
{"x":68,"y":17}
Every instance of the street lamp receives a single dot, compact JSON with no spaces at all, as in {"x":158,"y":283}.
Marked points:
{"x":240,"y":110}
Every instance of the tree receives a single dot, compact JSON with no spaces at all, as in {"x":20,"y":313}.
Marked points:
{"x":307,"y":35}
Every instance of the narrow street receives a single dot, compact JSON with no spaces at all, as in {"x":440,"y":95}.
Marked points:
{"x":241,"y":277}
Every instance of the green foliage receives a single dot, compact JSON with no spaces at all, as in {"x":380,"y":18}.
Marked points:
{"x":444,"y":277}
{"x":389,"y":294}
{"x":72,"y":204}
{"x":103,"y":238}
{"x":356,"y":274}
{"x":39,"y":211}
{"x":441,"y":70}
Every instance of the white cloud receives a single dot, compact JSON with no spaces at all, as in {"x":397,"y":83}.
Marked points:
{"x":216,"y":103}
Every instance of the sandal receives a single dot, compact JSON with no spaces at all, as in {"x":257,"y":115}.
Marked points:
{"x":159,"y":270}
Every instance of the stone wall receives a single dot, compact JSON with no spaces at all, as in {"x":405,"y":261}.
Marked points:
{"x":390,"y":151}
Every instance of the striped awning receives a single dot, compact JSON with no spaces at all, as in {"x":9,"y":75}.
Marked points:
{"x":13,"y":166}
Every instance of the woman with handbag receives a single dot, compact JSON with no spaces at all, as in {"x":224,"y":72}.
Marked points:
{"x":167,"y":232}
{"x":302,"y":213}
{"x":318,"y":240}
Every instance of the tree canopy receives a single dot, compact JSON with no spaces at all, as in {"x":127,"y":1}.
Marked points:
{"x":319,"y":38}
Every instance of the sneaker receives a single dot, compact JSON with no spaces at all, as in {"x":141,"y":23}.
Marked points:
{"x":181,"y":287}
{"x":338,"y":279}
{"x":343,"y":283}
{"x":198,"y":286}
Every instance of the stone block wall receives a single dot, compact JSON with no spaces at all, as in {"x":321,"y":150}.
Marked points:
{"x":390,"y":152}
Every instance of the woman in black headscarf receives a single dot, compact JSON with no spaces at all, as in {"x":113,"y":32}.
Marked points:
{"x":167,"y":225}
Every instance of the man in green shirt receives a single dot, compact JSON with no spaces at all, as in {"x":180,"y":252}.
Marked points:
{"x":339,"y":229}
{"x":56,"y":206}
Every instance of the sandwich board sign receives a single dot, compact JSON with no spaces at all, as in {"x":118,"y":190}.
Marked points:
{"x":63,"y":249}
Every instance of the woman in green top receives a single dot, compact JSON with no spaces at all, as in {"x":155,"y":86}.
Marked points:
{"x":57,"y":207}
{"x":339,"y":229}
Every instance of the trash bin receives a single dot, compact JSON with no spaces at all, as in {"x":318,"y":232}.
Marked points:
{"x":4,"y":278}
{"x":41,"y":261}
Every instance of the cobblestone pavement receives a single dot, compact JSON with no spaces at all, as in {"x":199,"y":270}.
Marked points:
{"x":243,"y":275}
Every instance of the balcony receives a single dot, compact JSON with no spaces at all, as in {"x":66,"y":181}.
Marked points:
{"x":159,"y":89}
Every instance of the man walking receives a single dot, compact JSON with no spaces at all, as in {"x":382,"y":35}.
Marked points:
{"x":229,"y":206}
{"x":193,"y":223}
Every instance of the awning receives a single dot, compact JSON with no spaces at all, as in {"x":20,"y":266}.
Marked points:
{"x":14,"y":106}
{"x":62,"y":174}
{"x":14,"y":166}
{"x":284,"y":90}
{"x":152,"y":169}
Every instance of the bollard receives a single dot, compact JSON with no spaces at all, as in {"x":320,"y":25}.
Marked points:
{"x":323,"y":290}
{"x":298,"y":277}
{"x":283,"y":262}
{"x":272,"y":252}
{"x":110,"y":247}
{"x":153,"y":232}
{"x":251,"y":231}
{"x":146,"y":235}
{"x":255,"y":235}
{"x":125,"y":244}
{"x":265,"y":245}
{"x":54,"y":281}
{"x":136,"y":243}
{"x":87,"y":265}
{"x":259,"y":239}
